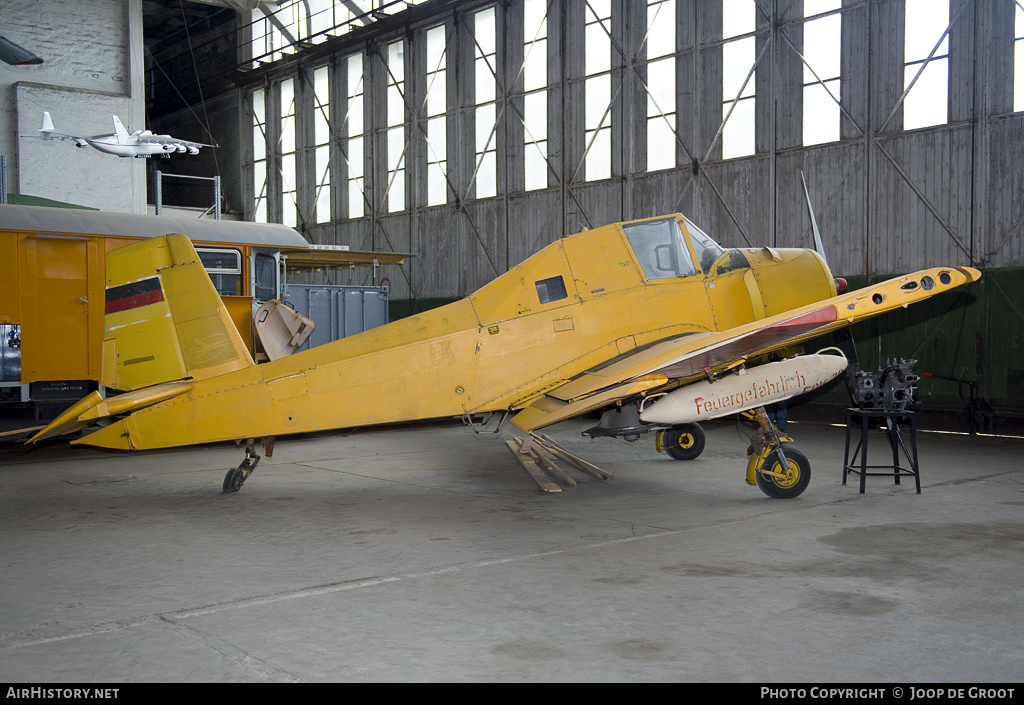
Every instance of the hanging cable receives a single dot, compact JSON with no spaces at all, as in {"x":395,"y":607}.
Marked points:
{"x":199,"y":86}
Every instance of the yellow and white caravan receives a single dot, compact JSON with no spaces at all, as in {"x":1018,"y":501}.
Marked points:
{"x":53,"y":276}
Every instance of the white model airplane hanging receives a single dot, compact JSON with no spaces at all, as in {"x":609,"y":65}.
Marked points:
{"x":140,"y":143}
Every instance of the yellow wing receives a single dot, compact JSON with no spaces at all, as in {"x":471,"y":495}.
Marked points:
{"x":682,"y":359}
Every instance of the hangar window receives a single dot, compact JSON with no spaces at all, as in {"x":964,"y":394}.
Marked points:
{"x":535,"y":100}
{"x":322,"y":144}
{"x":436,"y":109}
{"x":224,"y":268}
{"x":289,"y":202}
{"x":486,"y":68}
{"x":822,"y":47}
{"x":354,"y":131}
{"x":926,"y":64}
{"x":552,"y":289}
{"x":660,"y":248}
{"x":598,"y":90}
{"x":268,"y":41}
{"x":311,"y":22}
{"x":739,"y":21}
{"x":661,"y":84}
{"x":1018,"y":58}
{"x":259,"y":153}
{"x":396,"y":126}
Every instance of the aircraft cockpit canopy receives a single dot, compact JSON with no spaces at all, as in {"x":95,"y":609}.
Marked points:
{"x":714,"y":259}
{"x":707,"y":249}
{"x":660,"y":247}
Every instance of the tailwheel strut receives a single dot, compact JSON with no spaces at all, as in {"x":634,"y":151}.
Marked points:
{"x":776,"y":466}
{"x":236,"y":477}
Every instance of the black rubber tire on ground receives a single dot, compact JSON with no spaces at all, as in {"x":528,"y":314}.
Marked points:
{"x":684,"y":442}
{"x":799,"y":470}
{"x":234,"y":480}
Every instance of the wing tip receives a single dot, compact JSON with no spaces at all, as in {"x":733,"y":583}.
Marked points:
{"x":970,"y":273}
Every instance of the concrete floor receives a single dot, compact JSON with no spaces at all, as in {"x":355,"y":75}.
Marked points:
{"x":426,"y":554}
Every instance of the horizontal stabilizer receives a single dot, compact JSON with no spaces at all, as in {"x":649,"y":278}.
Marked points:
{"x":95,"y":407}
{"x":68,"y":422}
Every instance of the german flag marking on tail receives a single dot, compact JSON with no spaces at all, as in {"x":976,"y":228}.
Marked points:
{"x":134,"y":295}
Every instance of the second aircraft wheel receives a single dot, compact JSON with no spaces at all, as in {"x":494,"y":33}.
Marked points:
{"x":797,"y":475}
{"x":684,"y":442}
{"x":234,"y":480}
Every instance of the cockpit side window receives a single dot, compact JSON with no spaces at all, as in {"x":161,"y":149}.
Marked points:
{"x":660,"y":248}
{"x":552,"y":289}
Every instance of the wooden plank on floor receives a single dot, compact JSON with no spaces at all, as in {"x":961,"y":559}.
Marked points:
{"x":583,"y":464}
{"x":531,"y":467}
{"x":547,"y":459}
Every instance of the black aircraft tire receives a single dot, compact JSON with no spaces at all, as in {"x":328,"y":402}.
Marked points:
{"x":799,"y":471}
{"x":234,"y":480}
{"x":684,"y":442}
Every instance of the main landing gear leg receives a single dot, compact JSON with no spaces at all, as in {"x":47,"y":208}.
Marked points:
{"x":236,"y":477}
{"x":776,"y":466}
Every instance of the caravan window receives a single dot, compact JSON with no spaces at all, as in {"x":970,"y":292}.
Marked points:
{"x":224,"y":268}
{"x":266,"y":277}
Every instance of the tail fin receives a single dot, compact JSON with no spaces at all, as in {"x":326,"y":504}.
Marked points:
{"x":121,"y":131}
{"x":47,"y":127}
{"x":164,"y":319}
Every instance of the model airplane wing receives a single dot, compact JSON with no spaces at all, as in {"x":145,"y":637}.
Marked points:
{"x":167,"y":139}
{"x":682,"y":359}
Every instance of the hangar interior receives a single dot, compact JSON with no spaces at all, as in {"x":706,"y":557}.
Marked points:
{"x":473,"y":133}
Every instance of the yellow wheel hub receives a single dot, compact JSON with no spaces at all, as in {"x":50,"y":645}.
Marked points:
{"x":790,"y":476}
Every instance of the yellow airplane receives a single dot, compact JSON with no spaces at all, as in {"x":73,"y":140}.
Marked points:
{"x":617,"y":317}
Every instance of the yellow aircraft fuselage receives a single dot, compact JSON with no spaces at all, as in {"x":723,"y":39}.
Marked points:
{"x":578,"y":303}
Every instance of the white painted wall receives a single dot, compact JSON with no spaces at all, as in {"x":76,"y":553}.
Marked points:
{"x":93,"y":68}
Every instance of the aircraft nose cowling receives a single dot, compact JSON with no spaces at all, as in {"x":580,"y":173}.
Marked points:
{"x":790,"y":278}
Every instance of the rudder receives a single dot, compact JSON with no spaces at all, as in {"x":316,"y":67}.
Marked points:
{"x":121,"y":131}
{"x":165,"y":320}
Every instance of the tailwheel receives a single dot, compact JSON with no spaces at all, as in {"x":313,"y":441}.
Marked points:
{"x":684,"y":442}
{"x":236,"y":477}
{"x":234,"y":480}
{"x":784,"y":483}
